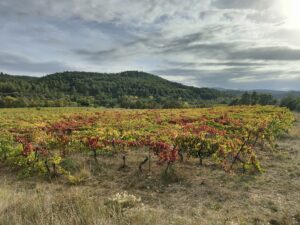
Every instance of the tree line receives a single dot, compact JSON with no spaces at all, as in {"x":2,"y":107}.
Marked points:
{"x":130,"y":89}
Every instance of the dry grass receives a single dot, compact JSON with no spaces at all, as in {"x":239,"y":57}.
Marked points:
{"x":197,"y":195}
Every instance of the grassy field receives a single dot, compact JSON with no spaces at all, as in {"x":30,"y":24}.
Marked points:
{"x":190,"y":195}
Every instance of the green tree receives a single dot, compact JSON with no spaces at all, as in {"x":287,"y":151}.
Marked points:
{"x":245,"y":99}
{"x":254,"y":98}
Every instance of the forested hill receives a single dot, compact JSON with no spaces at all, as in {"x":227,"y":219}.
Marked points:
{"x":131,"y":89}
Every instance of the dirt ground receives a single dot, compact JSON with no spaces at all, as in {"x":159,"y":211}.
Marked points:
{"x":192,"y":195}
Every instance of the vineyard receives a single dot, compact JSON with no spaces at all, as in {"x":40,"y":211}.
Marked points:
{"x":40,"y":141}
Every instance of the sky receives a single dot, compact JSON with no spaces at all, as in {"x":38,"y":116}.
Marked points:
{"x":236,"y":44}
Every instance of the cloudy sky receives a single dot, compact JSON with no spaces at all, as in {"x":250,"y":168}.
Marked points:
{"x":238,"y":44}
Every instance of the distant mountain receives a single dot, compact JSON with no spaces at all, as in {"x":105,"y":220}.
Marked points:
{"x":275,"y":93}
{"x":131,"y":89}
{"x":278,"y":94}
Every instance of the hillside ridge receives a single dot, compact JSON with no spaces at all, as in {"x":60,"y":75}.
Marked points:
{"x":129,"y":89}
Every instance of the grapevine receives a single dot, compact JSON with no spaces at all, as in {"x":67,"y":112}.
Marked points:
{"x":229,"y":136}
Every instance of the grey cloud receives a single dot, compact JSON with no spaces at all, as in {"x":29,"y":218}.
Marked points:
{"x":124,"y":50}
{"x":14,"y":63}
{"x":268,"y":53}
{"x":127,"y":12}
{"x":187,"y":39}
{"x":264,"y":17}
{"x":213,"y":50}
{"x":234,"y":78}
{"x":235,"y":51}
{"x":236,"y":64}
{"x":242,"y":4}
{"x":177,"y":72}
{"x":241,"y":64}
{"x":97,"y":55}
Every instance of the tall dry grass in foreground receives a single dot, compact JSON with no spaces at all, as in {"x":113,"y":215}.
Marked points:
{"x":78,"y":208}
